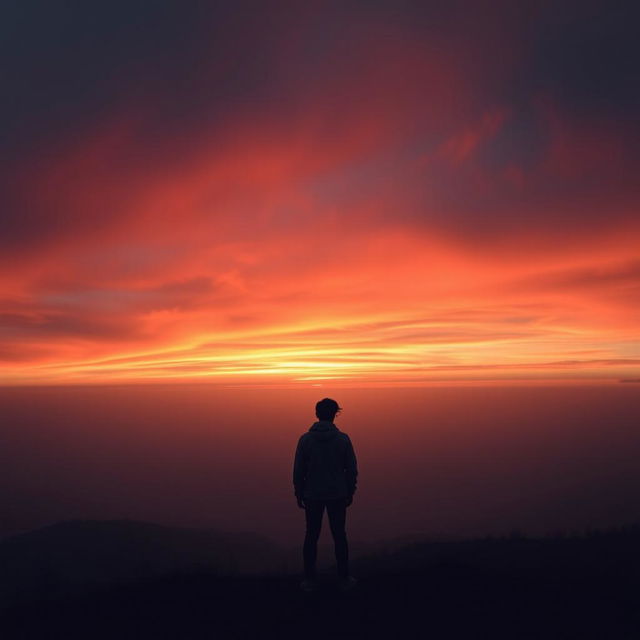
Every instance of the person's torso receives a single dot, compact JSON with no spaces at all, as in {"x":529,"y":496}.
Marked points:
{"x":325,"y":455}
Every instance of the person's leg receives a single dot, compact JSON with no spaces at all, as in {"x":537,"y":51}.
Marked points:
{"x":337,"y":512}
{"x":313,"y":516}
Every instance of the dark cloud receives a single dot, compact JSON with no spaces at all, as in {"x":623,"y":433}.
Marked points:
{"x":56,"y":325}
{"x":145,"y":78}
{"x":606,"y":277}
{"x":179,"y":294}
{"x":99,"y":314}
{"x":156,"y":80}
{"x":585,"y":55}
{"x":77,"y":62}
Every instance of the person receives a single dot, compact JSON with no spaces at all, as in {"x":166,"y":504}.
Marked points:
{"x":325,"y":472}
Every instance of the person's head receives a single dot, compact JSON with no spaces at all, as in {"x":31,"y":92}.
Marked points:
{"x":326,"y":409}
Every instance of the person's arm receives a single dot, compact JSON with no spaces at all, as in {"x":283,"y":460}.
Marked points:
{"x":351,"y":470}
{"x":299,"y":473}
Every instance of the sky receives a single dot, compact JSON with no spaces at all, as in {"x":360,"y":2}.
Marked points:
{"x":298,"y":194}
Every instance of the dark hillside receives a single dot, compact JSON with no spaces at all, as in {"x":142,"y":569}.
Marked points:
{"x":584,"y":586}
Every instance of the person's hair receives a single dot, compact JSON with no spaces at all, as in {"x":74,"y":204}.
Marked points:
{"x":327,"y":408}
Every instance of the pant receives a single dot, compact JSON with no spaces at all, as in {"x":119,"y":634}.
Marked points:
{"x":337,"y":512}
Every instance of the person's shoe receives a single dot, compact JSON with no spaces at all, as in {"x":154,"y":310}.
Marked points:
{"x":348,"y":583}
{"x":308,"y":585}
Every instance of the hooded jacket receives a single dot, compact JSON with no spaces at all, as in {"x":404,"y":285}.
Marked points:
{"x":325,"y":464}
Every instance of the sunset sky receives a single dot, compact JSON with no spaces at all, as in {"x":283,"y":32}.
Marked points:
{"x":306,"y":193}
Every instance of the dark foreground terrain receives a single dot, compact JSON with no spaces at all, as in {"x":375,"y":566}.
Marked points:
{"x":585,"y":586}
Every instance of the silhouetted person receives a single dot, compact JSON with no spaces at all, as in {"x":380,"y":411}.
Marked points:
{"x":324,"y":477}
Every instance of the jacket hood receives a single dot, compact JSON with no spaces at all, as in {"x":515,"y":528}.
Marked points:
{"x":324,"y":430}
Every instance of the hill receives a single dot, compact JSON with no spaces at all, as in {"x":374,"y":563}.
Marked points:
{"x":582,"y":586}
{"x":79,"y":555}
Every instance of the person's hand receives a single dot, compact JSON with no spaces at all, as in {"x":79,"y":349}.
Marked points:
{"x":349,"y":501}
{"x":300,"y":502}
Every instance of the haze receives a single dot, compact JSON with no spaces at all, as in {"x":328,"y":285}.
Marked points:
{"x":433,"y":462}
